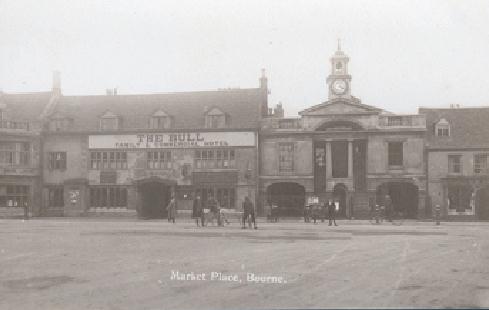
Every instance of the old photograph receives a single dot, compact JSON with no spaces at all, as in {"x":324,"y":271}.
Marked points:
{"x":244,"y":154}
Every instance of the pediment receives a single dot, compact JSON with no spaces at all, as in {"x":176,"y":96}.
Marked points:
{"x":108,"y":114}
{"x":215,"y":111}
{"x":340,"y":107}
{"x":160,"y":113}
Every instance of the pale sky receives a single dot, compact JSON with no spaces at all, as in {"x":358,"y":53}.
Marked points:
{"x":403,"y":54}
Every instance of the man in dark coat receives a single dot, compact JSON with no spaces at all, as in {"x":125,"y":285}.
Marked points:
{"x":331,"y":212}
{"x":248,"y":210}
{"x":197,"y":211}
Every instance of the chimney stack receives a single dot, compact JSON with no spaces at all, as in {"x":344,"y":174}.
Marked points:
{"x":263,"y":80}
{"x":56,"y":82}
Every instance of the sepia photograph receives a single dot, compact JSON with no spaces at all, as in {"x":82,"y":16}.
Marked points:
{"x":232,"y":154}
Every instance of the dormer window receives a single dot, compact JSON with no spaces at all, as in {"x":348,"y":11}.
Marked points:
{"x":109,"y":121}
{"x":215,"y":118}
{"x":59,"y":122}
{"x":442,"y":128}
{"x":160,"y":120}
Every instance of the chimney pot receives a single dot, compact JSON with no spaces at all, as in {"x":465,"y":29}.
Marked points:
{"x":56,"y":81}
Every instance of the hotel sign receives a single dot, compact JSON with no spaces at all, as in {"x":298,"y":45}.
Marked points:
{"x":172,"y":140}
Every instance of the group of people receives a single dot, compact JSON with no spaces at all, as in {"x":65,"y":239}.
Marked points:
{"x":208,"y":211}
{"x":318,"y":211}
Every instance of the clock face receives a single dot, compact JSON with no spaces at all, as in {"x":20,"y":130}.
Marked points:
{"x":339,"y":87}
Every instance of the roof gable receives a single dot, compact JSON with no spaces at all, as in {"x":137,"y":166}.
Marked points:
{"x":215,"y":111}
{"x":160,"y":113}
{"x":339,"y":106}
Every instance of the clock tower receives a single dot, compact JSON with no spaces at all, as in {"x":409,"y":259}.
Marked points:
{"x":339,"y":80}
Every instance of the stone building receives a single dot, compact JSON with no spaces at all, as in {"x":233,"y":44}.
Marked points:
{"x":20,"y":152}
{"x":343,"y":149}
{"x":128,"y":154}
{"x":457,"y":150}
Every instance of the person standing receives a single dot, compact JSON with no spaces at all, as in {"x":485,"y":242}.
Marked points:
{"x":248,"y":210}
{"x":197,"y":211}
{"x":331,"y":212}
{"x":172,"y":210}
{"x":388,"y":207}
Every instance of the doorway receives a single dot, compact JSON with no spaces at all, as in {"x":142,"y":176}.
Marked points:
{"x":288,"y":196}
{"x":404,"y":197}
{"x":339,"y":192}
{"x":155,"y":197}
{"x":482,"y":201}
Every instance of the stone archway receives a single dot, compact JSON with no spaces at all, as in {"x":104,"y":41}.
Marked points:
{"x":340,"y":193}
{"x":404,"y":196}
{"x":288,"y":196}
{"x":154,"y":195}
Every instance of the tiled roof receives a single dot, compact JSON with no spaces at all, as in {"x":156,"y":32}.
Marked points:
{"x":186,"y":108}
{"x":24,"y":106}
{"x":469,"y":127}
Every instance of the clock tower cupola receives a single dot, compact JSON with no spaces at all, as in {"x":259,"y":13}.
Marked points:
{"x":339,"y":80}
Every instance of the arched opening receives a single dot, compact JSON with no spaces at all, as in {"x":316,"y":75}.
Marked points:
{"x":404,"y":197}
{"x":154,"y":196}
{"x":482,"y":204}
{"x":339,"y":193}
{"x":288,"y":196}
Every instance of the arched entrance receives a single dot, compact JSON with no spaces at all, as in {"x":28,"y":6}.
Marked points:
{"x":404,"y":197}
{"x":339,"y":193}
{"x":154,"y":196}
{"x":288,"y":196}
{"x":482,"y":204}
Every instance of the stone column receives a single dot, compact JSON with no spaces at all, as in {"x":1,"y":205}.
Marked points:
{"x":329,"y":161}
{"x":350,"y":158}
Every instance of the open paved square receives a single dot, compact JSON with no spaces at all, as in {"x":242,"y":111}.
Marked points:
{"x":130,"y":264}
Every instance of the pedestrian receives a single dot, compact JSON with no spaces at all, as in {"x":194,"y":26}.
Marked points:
{"x":213,"y":210}
{"x":197,"y":211}
{"x":307,"y":209}
{"x":388,"y":207}
{"x":248,"y":211}
{"x":331,"y":212}
{"x":268,"y":211}
{"x":172,"y":210}
{"x":315,"y":212}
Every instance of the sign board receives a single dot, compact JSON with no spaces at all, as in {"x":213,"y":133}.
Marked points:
{"x":172,"y":140}
{"x":74,"y":195}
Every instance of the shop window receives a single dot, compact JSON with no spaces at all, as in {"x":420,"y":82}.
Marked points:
{"x":459,"y":198}
{"x":286,"y":157}
{"x":57,"y":160}
{"x":14,"y":196}
{"x":159,"y":159}
{"x":56,"y":197}
{"x":480,"y":163}
{"x":442,"y":128}
{"x":226,"y":197}
{"x":215,"y":159}
{"x":108,"y":197}
{"x":454,"y":164}
{"x":108,"y":160}
{"x":395,"y":156}
{"x":15,"y":153}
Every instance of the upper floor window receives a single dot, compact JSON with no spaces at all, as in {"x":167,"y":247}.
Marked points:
{"x":57,"y":160}
{"x":159,"y":159}
{"x":109,"y":121}
{"x":216,"y":158}
{"x":160,"y":120}
{"x":454,"y":164}
{"x":15,"y":153}
{"x":480,"y":163}
{"x":442,"y":128}
{"x":286,"y":157}
{"x":108,"y":160}
{"x":395,"y":153}
{"x":59,"y":124}
{"x":215,"y":118}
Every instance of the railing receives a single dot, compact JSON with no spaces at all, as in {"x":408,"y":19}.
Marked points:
{"x":282,"y":123}
{"x":418,"y":121}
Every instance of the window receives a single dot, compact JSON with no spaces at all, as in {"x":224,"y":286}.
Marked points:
{"x":454,"y":164}
{"x":215,"y":159}
{"x":57,"y":160}
{"x":56,"y":197}
{"x":111,"y":123}
{"x":108,"y":160}
{"x":286,"y":157}
{"x":14,"y":196}
{"x":160,"y":122}
{"x":395,"y":153}
{"x":185,"y":170}
{"x":459,"y":198}
{"x":225,"y":196}
{"x":442,"y":128}
{"x":15,"y":153}
{"x":108,"y":197}
{"x":59,"y":124}
{"x":159,"y":160}
{"x":480,"y":163}
{"x":215,"y":118}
